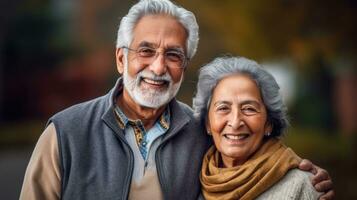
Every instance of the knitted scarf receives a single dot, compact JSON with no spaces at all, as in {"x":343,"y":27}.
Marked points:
{"x":247,"y":181}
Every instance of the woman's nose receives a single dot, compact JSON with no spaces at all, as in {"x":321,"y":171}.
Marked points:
{"x":235,"y":121}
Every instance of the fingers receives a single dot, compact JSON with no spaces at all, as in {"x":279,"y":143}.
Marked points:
{"x":323,"y":183}
{"x":306,"y":165}
{"x":324,"y":186}
{"x":320,"y":176}
{"x":328,"y":196}
{"x":321,"y":179}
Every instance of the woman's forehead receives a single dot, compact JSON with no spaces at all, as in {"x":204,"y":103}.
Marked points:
{"x":237,"y":87}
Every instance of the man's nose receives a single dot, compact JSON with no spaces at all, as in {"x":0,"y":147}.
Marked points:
{"x":158,"y":66}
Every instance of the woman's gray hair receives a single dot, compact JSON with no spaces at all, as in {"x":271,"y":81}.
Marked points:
{"x":156,"y":7}
{"x":219,"y":68}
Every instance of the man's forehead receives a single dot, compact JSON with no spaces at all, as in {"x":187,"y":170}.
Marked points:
{"x":159,"y":30}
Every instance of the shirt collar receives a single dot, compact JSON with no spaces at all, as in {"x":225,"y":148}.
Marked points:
{"x":123,"y":120}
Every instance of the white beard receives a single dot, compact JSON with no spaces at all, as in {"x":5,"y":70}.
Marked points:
{"x":150,"y":98}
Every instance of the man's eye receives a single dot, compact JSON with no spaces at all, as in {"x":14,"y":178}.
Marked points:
{"x":174,"y":56}
{"x":146,"y":52}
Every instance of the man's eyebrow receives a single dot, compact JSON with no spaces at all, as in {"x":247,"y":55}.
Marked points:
{"x":152,"y":45}
{"x":176,"y":48}
{"x":146,"y":44}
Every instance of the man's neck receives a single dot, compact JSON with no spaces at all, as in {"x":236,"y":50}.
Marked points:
{"x":132,"y":110}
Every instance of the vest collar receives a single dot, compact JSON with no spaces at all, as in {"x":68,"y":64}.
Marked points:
{"x":178,"y":117}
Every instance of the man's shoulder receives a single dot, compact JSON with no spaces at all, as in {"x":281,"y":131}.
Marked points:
{"x":92,"y":106}
{"x":186,"y":108}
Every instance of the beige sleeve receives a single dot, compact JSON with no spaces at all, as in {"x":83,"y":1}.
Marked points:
{"x":43,"y":178}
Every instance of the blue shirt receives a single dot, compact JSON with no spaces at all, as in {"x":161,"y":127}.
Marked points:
{"x":144,"y":138}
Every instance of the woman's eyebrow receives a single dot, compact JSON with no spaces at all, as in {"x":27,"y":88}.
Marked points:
{"x":253,"y":102}
{"x":222,"y":102}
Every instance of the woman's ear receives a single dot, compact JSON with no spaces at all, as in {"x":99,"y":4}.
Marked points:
{"x":268,"y":128}
{"x":208,"y":127}
{"x":120,"y":59}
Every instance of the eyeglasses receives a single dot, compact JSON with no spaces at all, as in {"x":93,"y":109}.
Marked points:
{"x":173,"y":58}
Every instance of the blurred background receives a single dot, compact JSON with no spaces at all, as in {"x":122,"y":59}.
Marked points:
{"x":58,"y":53}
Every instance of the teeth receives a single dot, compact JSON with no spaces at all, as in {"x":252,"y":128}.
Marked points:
{"x":154,"y":82}
{"x":236,"y":137}
{"x":233,"y":137}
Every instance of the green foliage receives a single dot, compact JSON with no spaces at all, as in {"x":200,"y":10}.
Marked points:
{"x":19,"y":134}
{"x":317,"y":145}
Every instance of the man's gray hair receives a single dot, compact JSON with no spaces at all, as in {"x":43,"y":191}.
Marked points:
{"x":157,"y":7}
{"x":218,"y":69}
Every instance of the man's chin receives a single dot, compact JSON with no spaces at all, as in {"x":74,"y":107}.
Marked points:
{"x":151,"y":100}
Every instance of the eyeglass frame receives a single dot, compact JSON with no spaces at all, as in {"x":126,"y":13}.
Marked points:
{"x":185,"y":60}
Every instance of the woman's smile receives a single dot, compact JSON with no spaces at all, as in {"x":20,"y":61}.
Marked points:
{"x":236,"y":138}
{"x":237,"y":118}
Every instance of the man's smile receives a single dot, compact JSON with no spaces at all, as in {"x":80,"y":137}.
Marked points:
{"x":155,"y":82}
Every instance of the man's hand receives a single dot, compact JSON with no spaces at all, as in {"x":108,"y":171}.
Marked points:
{"x":321,"y":179}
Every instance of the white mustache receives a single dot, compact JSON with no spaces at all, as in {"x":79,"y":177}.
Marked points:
{"x":150,"y":75}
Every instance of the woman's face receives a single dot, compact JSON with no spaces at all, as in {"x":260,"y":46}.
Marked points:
{"x":237,"y":119}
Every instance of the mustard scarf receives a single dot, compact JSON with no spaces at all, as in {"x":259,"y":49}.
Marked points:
{"x":264,"y":168}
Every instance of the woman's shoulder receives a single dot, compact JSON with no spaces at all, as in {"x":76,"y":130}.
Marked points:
{"x":297,"y":176}
{"x":295,"y":184}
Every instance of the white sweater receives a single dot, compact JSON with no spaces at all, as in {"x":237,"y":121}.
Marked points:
{"x":295,"y":185}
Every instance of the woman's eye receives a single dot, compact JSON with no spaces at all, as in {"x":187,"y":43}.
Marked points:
{"x":222,"y":108}
{"x":249,"y":110}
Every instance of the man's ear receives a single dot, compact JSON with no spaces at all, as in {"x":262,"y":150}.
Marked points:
{"x":120,"y":59}
{"x":186,"y":66}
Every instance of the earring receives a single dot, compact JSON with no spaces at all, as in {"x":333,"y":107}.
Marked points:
{"x":267,"y":134}
{"x":209,"y":133}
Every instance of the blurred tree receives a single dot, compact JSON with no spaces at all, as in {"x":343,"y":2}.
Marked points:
{"x":27,"y":49}
{"x":311,"y":33}
{"x":263,"y":29}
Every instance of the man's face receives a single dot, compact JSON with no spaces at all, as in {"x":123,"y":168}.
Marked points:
{"x":153,"y":84}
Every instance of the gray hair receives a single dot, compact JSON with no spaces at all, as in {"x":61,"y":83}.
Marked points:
{"x":156,"y":7}
{"x":219,"y":68}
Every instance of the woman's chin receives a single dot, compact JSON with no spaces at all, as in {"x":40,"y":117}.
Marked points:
{"x":234,"y":156}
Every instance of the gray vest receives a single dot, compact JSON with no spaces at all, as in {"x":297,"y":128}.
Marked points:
{"x":97,"y":162}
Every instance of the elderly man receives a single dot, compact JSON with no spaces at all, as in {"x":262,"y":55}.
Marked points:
{"x":136,"y":142}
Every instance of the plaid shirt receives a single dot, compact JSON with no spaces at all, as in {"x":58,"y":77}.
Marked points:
{"x":144,"y":138}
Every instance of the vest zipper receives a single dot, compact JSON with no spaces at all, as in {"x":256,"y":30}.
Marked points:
{"x":159,"y":163}
{"x":131,"y":167}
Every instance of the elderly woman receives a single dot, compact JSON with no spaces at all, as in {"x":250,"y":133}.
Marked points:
{"x":241,"y":106}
